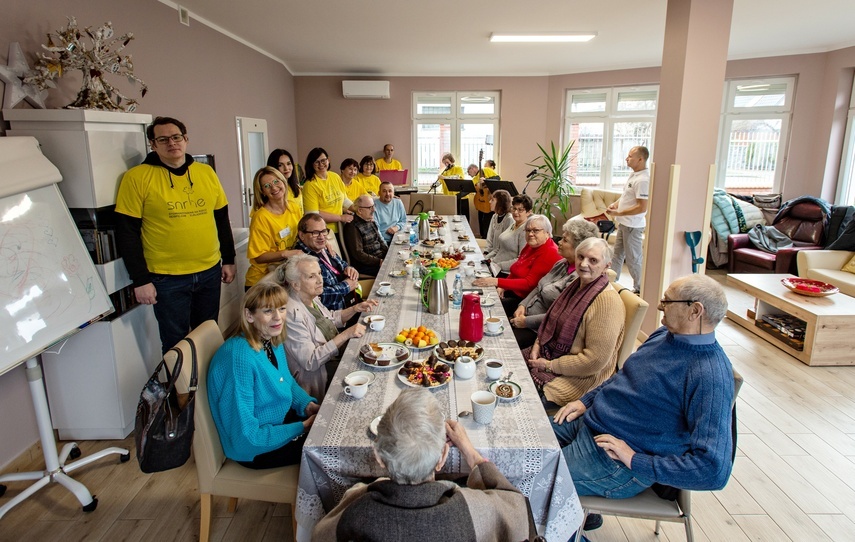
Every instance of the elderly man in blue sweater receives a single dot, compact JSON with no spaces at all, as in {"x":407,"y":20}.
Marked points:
{"x":665,"y":417}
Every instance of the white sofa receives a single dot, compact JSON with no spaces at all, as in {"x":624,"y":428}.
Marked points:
{"x":825,"y":265}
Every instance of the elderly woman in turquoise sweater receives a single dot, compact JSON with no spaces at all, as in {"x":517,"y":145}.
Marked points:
{"x":261,"y":413}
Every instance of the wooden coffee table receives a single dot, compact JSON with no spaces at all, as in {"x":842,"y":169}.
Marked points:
{"x":829,"y":333}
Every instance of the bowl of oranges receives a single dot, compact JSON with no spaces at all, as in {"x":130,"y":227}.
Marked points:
{"x":447,"y":263}
{"x":418,"y":337}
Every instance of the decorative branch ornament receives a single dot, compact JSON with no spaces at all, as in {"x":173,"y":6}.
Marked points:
{"x":96,"y":59}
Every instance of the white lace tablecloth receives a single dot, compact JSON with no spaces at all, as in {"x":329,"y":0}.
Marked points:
{"x":520,"y":441}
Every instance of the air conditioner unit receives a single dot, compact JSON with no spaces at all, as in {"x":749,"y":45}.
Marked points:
{"x":365,"y":90}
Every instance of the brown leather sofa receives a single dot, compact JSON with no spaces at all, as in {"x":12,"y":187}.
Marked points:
{"x":804,"y":224}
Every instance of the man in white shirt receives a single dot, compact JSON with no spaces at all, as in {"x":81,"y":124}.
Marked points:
{"x":628,"y":214}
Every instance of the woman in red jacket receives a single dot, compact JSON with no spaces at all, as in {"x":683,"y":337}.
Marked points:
{"x":536,"y":259}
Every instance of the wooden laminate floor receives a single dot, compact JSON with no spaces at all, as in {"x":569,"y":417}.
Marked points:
{"x":794,"y":476}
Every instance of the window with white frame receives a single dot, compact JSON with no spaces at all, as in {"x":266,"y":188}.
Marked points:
{"x":462,"y":123}
{"x":605,"y":124}
{"x":846,"y":183}
{"x":754,"y":133}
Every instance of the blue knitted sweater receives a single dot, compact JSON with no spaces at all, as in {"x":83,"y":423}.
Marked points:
{"x":250,"y":398}
{"x":671,"y":403}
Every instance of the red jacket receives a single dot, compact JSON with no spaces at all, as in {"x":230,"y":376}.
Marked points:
{"x":531,"y":266}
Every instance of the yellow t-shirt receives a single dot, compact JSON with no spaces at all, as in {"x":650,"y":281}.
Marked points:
{"x":326,"y":195}
{"x":383,"y":165}
{"x":269,"y":232}
{"x":179,"y":234}
{"x":354,"y":189}
{"x":370,"y":182}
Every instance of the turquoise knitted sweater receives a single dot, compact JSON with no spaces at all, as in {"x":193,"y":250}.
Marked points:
{"x":671,"y":403}
{"x":250,"y":398}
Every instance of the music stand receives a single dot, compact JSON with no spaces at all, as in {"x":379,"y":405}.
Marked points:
{"x":461,"y":186}
{"x":494,"y":185}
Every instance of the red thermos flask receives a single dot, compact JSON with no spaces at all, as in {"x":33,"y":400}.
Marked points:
{"x":471,"y":318}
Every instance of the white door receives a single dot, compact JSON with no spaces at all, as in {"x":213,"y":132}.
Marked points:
{"x":252,"y":148}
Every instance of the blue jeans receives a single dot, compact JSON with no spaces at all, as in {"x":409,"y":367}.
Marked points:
{"x":593,"y":471}
{"x":184,"y":302}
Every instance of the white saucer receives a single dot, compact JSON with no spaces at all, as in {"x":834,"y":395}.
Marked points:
{"x":371,"y":377}
{"x":496,"y":334}
{"x":482,"y":274}
{"x":390,"y":294}
{"x":488,"y":302}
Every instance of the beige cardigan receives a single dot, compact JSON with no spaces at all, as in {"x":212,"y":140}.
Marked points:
{"x":593,"y":356}
{"x":305,"y":347}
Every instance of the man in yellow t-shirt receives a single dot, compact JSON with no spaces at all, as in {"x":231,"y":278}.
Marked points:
{"x":173,"y":233}
{"x":387,"y":162}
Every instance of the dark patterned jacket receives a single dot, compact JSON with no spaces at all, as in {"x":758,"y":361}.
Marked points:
{"x":335,"y":288}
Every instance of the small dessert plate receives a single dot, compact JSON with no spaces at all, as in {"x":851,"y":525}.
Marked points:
{"x":482,"y":274}
{"x":371,"y":377}
{"x":375,"y":423}
{"x":488,"y":301}
{"x":389,"y":294}
{"x":505,"y":390}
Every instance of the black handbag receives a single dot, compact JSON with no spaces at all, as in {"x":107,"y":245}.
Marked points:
{"x":164,"y":421}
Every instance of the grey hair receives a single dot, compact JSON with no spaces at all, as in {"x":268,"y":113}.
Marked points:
{"x":547,"y":224}
{"x":707,"y":292}
{"x":591,"y":242}
{"x":288,"y":272}
{"x":579,"y":229}
{"x":411,"y":437}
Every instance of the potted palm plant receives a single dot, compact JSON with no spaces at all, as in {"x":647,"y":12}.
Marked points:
{"x":556,"y":187}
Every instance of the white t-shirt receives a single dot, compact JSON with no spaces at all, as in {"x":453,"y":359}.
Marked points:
{"x":637,"y":187}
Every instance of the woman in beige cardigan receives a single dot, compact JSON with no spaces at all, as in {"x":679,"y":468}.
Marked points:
{"x":578,"y":341}
{"x":313,"y":339}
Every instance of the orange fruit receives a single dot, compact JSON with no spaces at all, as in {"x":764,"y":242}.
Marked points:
{"x":422,"y":329}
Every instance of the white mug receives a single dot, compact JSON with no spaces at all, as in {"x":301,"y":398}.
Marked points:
{"x":494,"y":368}
{"x":483,"y":406}
{"x":431,"y":213}
{"x":409,"y":268}
{"x":469,"y":270}
{"x":493,"y":324}
{"x":385,"y":288}
{"x":377,"y":323}
{"x":358,"y":387}
{"x":404,"y":254}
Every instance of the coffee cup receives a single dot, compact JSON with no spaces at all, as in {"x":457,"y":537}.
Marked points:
{"x":494,"y":324}
{"x":385,"y":288}
{"x":494,"y":368}
{"x":357,"y":387}
{"x":409,"y":268}
{"x":431,"y":213}
{"x":483,"y":406}
{"x":404,"y":254}
{"x":377,"y":323}
{"x":464,"y":367}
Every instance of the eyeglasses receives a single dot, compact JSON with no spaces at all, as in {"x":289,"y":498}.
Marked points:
{"x":268,"y":186}
{"x":518,"y":209}
{"x":663,"y":302}
{"x":163,"y":140}
{"x":321,"y":161}
{"x":533,"y":231}
{"x":318,"y":233}
{"x":366,"y":207}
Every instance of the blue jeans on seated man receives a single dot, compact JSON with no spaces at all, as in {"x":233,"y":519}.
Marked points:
{"x":593,"y":471}
{"x":184,"y":302}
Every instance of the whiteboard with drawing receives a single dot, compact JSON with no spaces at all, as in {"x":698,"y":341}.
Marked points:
{"x":49,"y":287}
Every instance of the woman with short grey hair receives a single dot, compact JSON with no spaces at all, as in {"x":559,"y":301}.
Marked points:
{"x":314,"y":341}
{"x":411,"y":504}
{"x":531,"y":310}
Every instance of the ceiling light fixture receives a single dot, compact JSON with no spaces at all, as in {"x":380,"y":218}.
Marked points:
{"x":543,"y":37}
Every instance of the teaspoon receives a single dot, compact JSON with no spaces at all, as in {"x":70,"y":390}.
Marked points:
{"x":464,"y":414}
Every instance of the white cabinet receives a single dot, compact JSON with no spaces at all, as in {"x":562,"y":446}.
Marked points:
{"x":94,"y":382}
{"x":91,"y":149}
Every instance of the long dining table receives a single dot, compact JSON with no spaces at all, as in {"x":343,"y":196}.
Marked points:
{"x":519,"y":440}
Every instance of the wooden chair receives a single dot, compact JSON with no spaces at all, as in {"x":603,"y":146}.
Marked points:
{"x":636,"y":308}
{"x":445,"y":205}
{"x":218,"y":475}
{"x":649,"y":505}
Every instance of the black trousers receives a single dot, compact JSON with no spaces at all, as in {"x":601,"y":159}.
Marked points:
{"x":484,"y":223}
{"x":289,"y":454}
